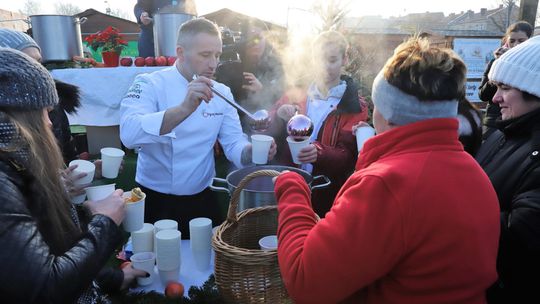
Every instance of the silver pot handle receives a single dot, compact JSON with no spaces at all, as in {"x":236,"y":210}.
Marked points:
{"x":82,"y":20}
{"x":326,"y":183}
{"x":219,"y":189}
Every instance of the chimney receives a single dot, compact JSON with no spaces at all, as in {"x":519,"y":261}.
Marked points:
{"x":470,"y":14}
{"x":483,"y":11}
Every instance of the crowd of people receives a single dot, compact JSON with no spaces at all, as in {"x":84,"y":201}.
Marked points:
{"x":430,"y":211}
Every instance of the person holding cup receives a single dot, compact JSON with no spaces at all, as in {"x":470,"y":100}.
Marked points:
{"x":334,"y":106}
{"x":418,"y":221}
{"x":44,"y":245}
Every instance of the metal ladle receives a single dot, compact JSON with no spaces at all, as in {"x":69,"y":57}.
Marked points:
{"x":260,"y":120}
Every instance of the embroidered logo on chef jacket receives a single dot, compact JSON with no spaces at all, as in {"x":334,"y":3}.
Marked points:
{"x":135,"y":90}
{"x":210,"y":114}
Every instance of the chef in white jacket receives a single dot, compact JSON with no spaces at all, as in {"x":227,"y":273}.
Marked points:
{"x":174,"y":122}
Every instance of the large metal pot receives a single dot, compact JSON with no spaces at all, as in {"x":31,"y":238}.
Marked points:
{"x":58,"y":36}
{"x":260,"y":191}
{"x":166,"y":27}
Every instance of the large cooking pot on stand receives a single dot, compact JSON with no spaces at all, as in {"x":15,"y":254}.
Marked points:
{"x":58,"y":36}
{"x":166,"y":27}
{"x":260,"y":191}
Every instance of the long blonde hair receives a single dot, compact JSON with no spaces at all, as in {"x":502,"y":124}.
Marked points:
{"x":51,"y":207}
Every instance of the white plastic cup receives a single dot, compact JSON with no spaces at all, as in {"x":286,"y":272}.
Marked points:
{"x":111,"y":160}
{"x":200,"y":235}
{"x":167,"y":276}
{"x":295,"y":147}
{"x":134,"y":218}
{"x":99,"y":192}
{"x":83,"y":166}
{"x":143,"y":240}
{"x":168,"y":244}
{"x":144,"y":261}
{"x":164,"y":225}
{"x":268,"y":242}
{"x":363,"y":134}
{"x":260,"y":146}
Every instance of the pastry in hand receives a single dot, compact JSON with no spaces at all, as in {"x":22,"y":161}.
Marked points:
{"x":136,"y":195}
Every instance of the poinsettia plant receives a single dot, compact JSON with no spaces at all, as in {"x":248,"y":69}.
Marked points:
{"x":109,"y":40}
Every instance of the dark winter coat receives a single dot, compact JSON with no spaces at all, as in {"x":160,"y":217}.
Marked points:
{"x":486,"y":92}
{"x":511,"y":158}
{"x":31,"y":272}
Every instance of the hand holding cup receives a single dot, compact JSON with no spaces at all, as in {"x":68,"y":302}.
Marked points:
{"x":113,"y":206}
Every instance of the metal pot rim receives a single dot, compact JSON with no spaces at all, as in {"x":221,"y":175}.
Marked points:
{"x":307,"y":176}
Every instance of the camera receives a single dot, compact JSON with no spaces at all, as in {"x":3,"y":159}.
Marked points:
{"x":231,"y":45}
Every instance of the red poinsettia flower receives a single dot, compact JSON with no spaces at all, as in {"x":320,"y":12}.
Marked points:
{"x":108,"y":40}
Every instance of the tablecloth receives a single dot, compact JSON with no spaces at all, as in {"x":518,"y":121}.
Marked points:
{"x":102,"y":90}
{"x":189,"y":275}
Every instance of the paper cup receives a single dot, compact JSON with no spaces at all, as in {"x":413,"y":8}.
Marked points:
{"x":143,"y":240}
{"x":268,"y":242}
{"x":134,"y":218}
{"x":363,"y":134}
{"x":164,"y":225}
{"x":260,"y":146}
{"x":200,"y":235}
{"x":83,"y":166}
{"x":111,"y":160}
{"x":167,"y":276}
{"x":295,"y":147}
{"x":168,"y":244}
{"x":99,"y":192}
{"x":144,"y":261}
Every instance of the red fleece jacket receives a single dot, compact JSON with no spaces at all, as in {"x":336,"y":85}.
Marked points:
{"x":418,"y":222}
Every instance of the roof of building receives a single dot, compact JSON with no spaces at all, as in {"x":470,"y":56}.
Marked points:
{"x":233,"y":20}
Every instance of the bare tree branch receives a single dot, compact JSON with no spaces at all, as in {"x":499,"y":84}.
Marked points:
{"x":503,"y":21}
{"x":120,"y":13}
{"x":64,"y":8}
{"x":31,"y":7}
{"x":331,"y":13}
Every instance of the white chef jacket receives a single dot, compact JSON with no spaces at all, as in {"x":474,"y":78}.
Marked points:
{"x":182,"y":161}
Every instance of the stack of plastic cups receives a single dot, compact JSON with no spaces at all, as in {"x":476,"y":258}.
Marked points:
{"x":168,"y":257}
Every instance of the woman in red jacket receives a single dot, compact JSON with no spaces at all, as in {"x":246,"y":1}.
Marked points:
{"x":334,"y":106}
{"x":418,"y":222}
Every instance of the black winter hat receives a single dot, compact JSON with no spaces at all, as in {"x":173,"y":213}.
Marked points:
{"x":24,"y":83}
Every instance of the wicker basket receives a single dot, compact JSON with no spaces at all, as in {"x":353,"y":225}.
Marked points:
{"x":244,"y":273}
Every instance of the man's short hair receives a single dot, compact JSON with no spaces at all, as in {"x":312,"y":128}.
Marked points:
{"x":331,"y":37}
{"x":196,"y":26}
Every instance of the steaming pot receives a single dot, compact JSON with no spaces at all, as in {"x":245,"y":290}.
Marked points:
{"x":58,"y":36}
{"x":260,"y":191}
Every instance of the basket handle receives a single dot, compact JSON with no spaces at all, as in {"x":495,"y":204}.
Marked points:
{"x":235,"y":198}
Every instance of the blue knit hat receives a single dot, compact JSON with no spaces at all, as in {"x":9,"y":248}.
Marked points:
{"x":24,"y":83}
{"x":16,"y":40}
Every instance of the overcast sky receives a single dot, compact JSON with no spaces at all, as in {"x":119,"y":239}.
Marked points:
{"x":276,"y":10}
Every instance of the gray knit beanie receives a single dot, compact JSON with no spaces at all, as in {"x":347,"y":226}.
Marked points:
{"x":16,"y":40}
{"x":24,"y":83}
{"x":519,"y":67}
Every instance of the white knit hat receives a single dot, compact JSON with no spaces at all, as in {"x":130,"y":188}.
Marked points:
{"x":519,"y":67}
